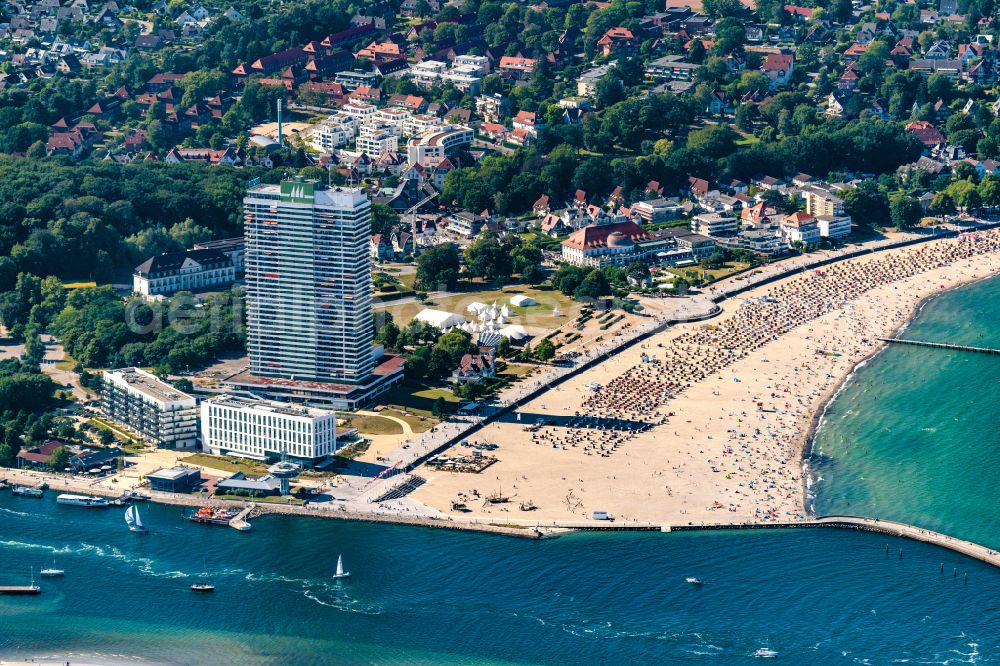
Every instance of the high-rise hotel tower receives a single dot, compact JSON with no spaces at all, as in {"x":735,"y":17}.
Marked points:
{"x":308,"y":282}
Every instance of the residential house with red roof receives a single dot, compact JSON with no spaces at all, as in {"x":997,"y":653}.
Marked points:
{"x":779,"y":68}
{"x":617,"y":41}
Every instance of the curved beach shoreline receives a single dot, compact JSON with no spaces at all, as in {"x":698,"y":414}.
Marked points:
{"x":818,"y":417}
{"x":785,"y":382}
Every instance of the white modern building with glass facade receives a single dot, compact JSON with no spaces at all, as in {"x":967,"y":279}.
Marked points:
{"x":308,"y":282}
{"x":265,"y":430}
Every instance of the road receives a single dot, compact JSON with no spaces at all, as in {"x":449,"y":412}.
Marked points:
{"x":54,"y":353}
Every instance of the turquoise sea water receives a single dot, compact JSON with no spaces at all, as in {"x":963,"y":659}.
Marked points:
{"x":421,"y":596}
{"x":914,"y":435}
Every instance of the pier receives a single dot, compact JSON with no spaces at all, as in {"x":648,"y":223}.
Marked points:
{"x":942,"y":345}
{"x":240,"y":522}
{"x":890,"y":527}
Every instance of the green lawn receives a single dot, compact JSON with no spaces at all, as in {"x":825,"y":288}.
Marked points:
{"x":373,"y":425}
{"x":416,"y":398}
{"x":730,"y":268}
{"x":417,"y":423}
{"x":515,"y":371}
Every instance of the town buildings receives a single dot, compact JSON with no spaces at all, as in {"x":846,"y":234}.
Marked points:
{"x":714,"y":224}
{"x":234,"y":248}
{"x":155,"y":411}
{"x":623,"y":243}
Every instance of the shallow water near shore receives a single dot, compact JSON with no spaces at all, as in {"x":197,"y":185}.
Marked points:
{"x":913,"y":435}
{"x":423,"y":596}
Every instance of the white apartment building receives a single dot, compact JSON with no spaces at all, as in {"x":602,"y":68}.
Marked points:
{"x":421,"y":123}
{"x":428,"y":72}
{"x":713,"y":224}
{"x":265,"y":430}
{"x":490,"y":107}
{"x":822,"y":202}
{"x":308,"y":282}
{"x":834,"y":226}
{"x":360,"y":110}
{"x":437,"y":144}
{"x":335,"y":132}
{"x":377,"y":141}
{"x":464,"y":77}
{"x":152,"y":409}
{"x":481,"y":63}
{"x":465,"y":72}
{"x":800,"y":228}
{"x":394,"y":117}
{"x":586,"y":83}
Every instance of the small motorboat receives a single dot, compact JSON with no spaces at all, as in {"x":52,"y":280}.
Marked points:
{"x":694,"y":581}
{"x":341,"y":572}
{"x":765,"y":653}
{"x":202,"y":587}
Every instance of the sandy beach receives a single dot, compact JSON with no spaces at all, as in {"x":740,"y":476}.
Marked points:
{"x":707,"y":422}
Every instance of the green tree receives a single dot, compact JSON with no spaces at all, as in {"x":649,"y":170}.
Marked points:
{"x":417,"y":363}
{"x":438,"y":410}
{"x":504,"y":347}
{"x":544,"y":350}
{"x":7,"y":454}
{"x":715,"y":260}
{"x":59,"y":458}
{"x":943,"y":204}
{"x":867,"y":204}
{"x":593,"y":286}
{"x":905,"y":212}
{"x":438,"y":268}
{"x":490,"y":257}
{"x":384,"y":219}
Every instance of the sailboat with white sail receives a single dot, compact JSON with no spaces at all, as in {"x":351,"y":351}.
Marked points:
{"x":52,"y":572}
{"x":341,"y":572}
{"x":133,"y":520}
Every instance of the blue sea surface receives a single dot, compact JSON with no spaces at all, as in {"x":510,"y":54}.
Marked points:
{"x":424,"y":596}
{"x":913,"y":436}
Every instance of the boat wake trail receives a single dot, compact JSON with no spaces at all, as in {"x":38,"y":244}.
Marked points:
{"x":334,"y":596}
{"x":23,"y":514}
{"x":145,"y":565}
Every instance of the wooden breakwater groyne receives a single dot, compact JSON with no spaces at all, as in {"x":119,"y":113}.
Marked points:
{"x":941,"y":345}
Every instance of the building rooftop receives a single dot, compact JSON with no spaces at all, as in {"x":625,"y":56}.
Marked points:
{"x":269,"y":406}
{"x":222,"y":244}
{"x":172,"y":261}
{"x":173,"y":473}
{"x":148,"y":385}
{"x":300,"y":191}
